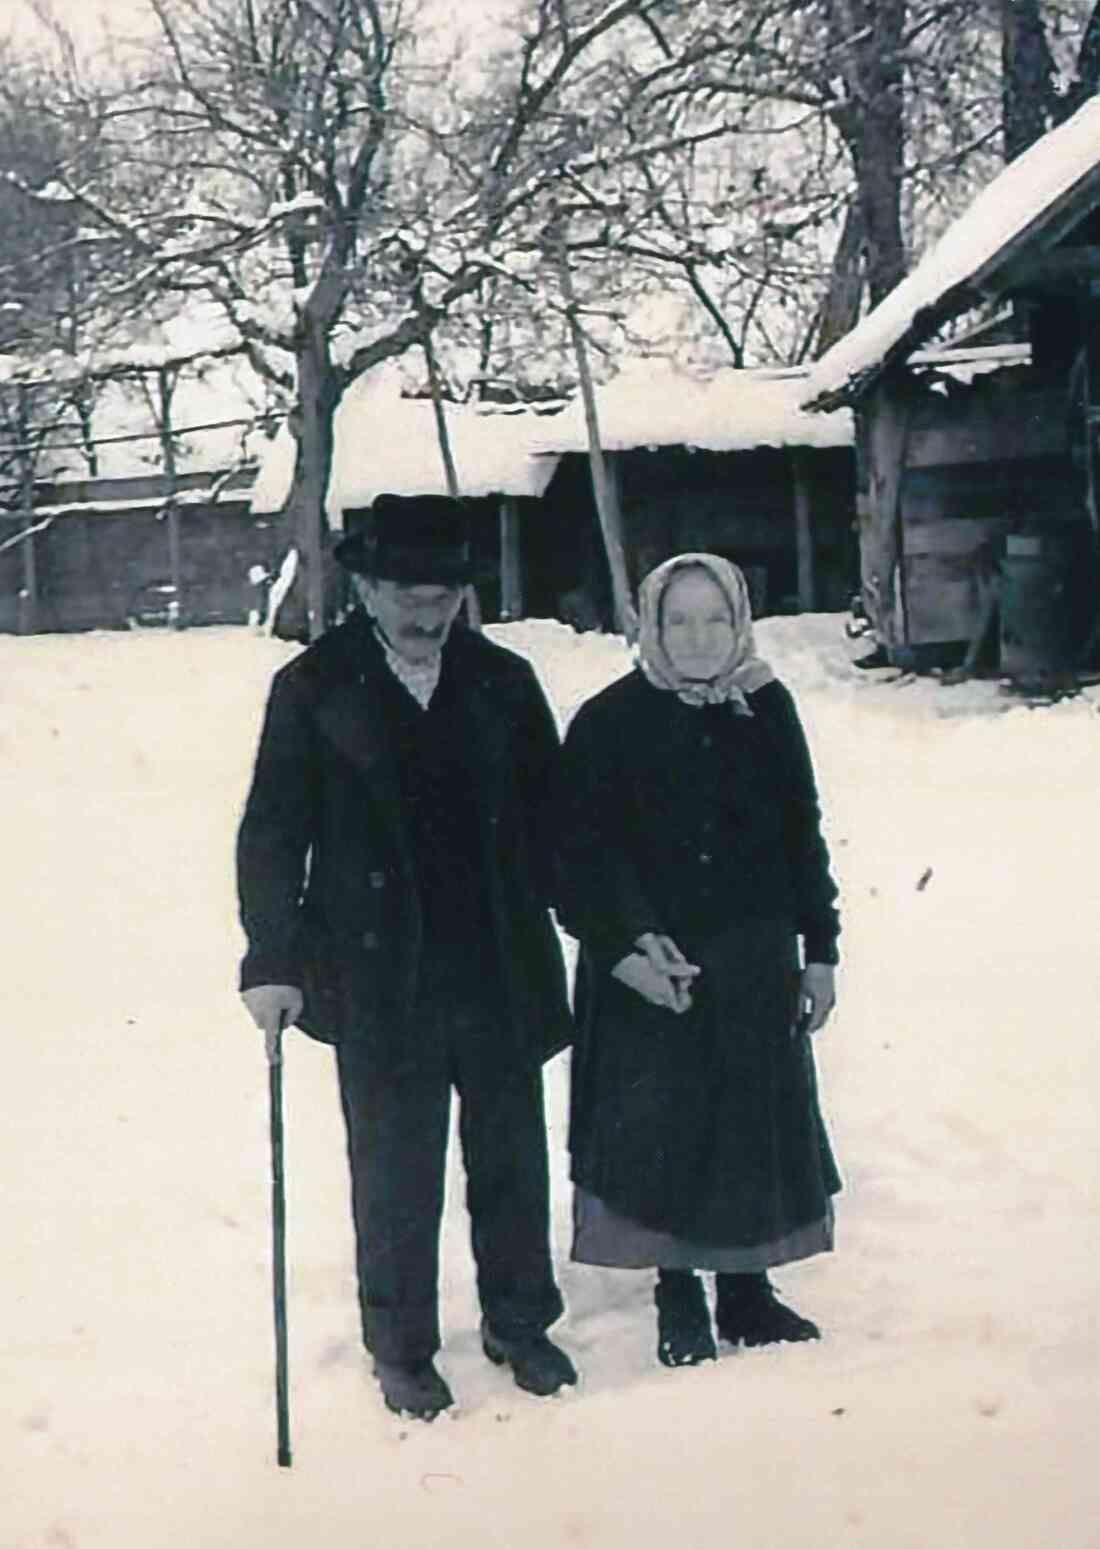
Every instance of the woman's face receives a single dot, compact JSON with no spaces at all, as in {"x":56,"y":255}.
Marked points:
{"x":696,"y":624}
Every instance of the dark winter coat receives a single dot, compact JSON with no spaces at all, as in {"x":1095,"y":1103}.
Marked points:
{"x":702,"y":824}
{"x":327,"y":877}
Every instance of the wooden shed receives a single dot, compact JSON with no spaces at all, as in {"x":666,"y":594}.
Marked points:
{"x":113,"y":553}
{"x":977,"y":466}
{"x":385,"y":442}
{"x":730,"y":464}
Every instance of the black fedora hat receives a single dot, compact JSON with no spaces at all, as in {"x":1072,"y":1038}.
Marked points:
{"x":421,"y":540}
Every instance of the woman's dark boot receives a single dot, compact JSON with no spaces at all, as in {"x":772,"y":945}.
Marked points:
{"x":684,"y":1336}
{"x":748,"y":1312}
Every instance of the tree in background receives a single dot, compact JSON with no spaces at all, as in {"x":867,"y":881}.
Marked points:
{"x":858,"y":130}
{"x":338,"y":185}
{"x":344,"y":182}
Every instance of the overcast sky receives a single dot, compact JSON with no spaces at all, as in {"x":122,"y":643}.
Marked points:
{"x":87,"y":20}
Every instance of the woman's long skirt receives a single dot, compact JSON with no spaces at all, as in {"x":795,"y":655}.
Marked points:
{"x":697,"y":1138}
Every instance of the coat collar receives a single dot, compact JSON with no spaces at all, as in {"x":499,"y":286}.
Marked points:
{"x":351,"y":713}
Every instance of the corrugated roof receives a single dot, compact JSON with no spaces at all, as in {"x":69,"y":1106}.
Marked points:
{"x":1022,"y":201}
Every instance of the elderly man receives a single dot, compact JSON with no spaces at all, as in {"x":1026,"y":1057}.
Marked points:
{"x":393,"y":886}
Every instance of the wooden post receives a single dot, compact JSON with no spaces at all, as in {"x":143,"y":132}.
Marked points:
{"x":511,"y":568}
{"x":604,"y":487}
{"x":28,"y":597}
{"x":168,"y":451}
{"x":882,"y":436}
{"x":804,"y":537}
{"x":450,"y":472}
{"x":1090,"y":332}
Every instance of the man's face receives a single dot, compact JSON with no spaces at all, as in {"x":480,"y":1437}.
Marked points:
{"x":415,"y":619}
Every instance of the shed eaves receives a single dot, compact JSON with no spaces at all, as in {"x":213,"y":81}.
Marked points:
{"x":1028,"y":198}
{"x":651,"y":404}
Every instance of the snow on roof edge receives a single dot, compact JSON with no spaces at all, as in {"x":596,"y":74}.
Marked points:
{"x":652,"y":404}
{"x":1018,"y":197}
{"x":492,"y":452}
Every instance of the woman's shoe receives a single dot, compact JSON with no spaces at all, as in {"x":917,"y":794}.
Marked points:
{"x":748,"y":1312}
{"x":684,"y":1335}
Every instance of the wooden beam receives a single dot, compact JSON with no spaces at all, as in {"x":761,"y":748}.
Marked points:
{"x":450,"y":472}
{"x":1045,"y":229}
{"x":1090,"y":413}
{"x":165,"y":386}
{"x":511,"y":567}
{"x":803,"y":528}
{"x":987,"y":282}
{"x":28,"y":596}
{"x":883,"y":433}
{"x":605,"y":489}
{"x":1060,"y":272}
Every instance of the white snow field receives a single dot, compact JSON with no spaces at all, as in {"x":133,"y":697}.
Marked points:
{"x":953,"y":1403}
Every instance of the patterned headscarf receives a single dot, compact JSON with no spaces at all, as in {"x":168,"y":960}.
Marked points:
{"x":742,"y":674}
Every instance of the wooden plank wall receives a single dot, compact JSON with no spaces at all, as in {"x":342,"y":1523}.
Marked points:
{"x":744,"y":505}
{"x":96,"y":570}
{"x":978,"y":463}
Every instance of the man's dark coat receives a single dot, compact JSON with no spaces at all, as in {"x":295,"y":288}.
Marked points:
{"x":329,"y":900}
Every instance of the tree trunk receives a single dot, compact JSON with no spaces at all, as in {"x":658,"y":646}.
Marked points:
{"x":840,"y":308}
{"x":310,"y":601}
{"x":869,"y":40}
{"x":1027,"y":76}
{"x":882,"y":151}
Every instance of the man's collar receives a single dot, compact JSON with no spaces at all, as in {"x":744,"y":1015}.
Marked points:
{"x":421,"y":679}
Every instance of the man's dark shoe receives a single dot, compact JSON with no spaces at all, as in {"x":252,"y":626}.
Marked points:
{"x":415,"y":1389}
{"x":537,"y":1365}
{"x":748,"y":1312}
{"x":684,"y":1335}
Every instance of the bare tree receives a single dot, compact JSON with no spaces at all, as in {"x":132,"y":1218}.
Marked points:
{"x":338,"y":187}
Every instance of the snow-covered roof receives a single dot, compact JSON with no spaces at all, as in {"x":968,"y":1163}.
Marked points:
{"x":1029,"y":196}
{"x":104,"y":507}
{"x":384,"y":443}
{"x":651,"y":403}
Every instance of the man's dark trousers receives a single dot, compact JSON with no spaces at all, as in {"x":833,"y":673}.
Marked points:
{"x":397,"y":1115}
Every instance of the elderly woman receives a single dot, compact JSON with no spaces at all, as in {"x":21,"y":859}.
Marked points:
{"x":692,"y":870}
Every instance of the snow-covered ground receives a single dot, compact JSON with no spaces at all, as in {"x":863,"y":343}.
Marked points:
{"x":953,"y":1401}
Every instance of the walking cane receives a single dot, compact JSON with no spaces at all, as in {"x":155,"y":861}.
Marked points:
{"x":278,"y":1242}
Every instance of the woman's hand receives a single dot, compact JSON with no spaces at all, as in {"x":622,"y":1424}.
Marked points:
{"x":659,"y":972}
{"x":816,"y":997}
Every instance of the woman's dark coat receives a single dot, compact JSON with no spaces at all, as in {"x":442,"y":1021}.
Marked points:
{"x":326,"y":877}
{"x":704,"y":825}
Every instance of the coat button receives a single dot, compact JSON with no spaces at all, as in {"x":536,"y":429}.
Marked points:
{"x":705,"y":857}
{"x":370,"y":941}
{"x":377,"y":879}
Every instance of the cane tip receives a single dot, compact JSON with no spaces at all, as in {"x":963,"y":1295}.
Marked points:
{"x":284,"y":1457}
